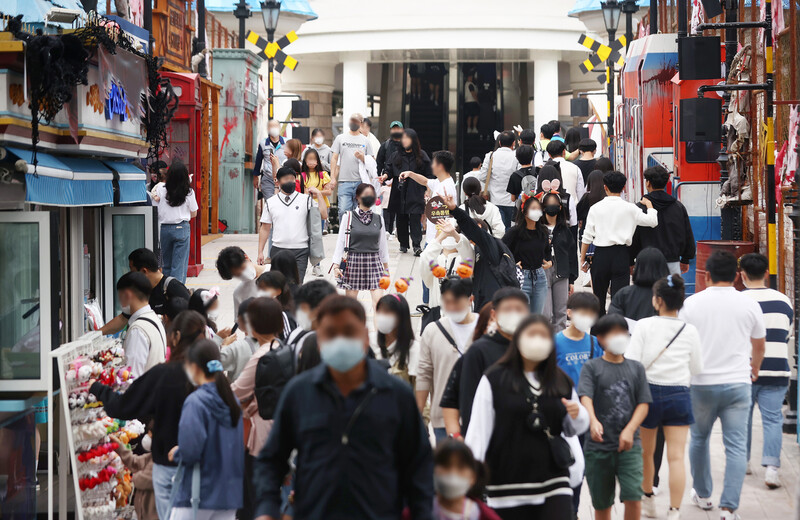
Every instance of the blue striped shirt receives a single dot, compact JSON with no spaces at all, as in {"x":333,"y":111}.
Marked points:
{"x":778,"y":316}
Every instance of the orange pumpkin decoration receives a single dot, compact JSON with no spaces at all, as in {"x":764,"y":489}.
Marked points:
{"x":401,"y":285}
{"x":465,"y":270}
{"x":385,"y":282}
{"x":437,"y":270}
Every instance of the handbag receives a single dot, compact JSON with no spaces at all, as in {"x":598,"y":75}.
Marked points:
{"x":665,"y":348}
{"x":486,"y":194}
{"x":536,"y":422}
{"x":316,"y":248}
{"x":177,"y":481}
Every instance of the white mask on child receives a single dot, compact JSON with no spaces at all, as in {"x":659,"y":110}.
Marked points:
{"x":618,"y":344}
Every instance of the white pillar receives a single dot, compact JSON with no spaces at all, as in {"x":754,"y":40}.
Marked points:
{"x":354,"y":87}
{"x":545,"y":88}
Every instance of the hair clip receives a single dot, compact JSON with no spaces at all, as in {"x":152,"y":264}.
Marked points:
{"x":208,"y":296}
{"x":214,"y":366}
{"x":669,"y":281}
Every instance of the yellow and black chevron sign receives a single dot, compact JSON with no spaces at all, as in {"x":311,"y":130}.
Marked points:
{"x":275,"y":49}
{"x":602,"y":52}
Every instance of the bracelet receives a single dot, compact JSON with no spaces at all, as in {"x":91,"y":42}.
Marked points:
{"x":457,"y":436}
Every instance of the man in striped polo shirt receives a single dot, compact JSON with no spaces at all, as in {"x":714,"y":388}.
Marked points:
{"x":770,"y":388}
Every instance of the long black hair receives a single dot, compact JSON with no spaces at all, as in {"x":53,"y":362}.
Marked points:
{"x":416,"y":148}
{"x":651,"y":266}
{"x":595,"y":188}
{"x":304,"y":168}
{"x":561,"y":218}
{"x":472,"y":190}
{"x":521,"y":221}
{"x":277,"y":280}
{"x":671,"y":290}
{"x":201,"y":353}
{"x":572,"y":139}
{"x":397,"y":305}
{"x":451,"y":452}
{"x":196,"y":304}
{"x":177,"y":184}
{"x":553,"y":380}
{"x":285,"y":262}
{"x":189,"y":325}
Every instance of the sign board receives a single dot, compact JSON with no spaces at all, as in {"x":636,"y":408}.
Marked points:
{"x":436,"y":210}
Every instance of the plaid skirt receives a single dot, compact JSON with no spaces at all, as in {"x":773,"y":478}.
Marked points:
{"x":363,"y":272}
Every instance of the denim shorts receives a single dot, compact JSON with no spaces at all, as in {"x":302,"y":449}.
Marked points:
{"x":671,"y":406}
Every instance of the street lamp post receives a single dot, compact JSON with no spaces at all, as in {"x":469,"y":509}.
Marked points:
{"x":201,"y":37}
{"x":242,"y":13}
{"x":629,"y":7}
{"x":270,"y":11}
{"x":611,"y":11}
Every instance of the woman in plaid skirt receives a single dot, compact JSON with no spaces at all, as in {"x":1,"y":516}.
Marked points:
{"x":362,"y":253}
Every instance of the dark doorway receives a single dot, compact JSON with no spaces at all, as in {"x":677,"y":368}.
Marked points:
{"x":425,"y":103}
{"x":480,"y":110}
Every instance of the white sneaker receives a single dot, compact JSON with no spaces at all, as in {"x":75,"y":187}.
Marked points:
{"x":728,"y":515}
{"x":749,"y":470}
{"x":674,"y":514}
{"x":771,"y":478}
{"x":317,"y":270}
{"x":703,"y":503}
{"x":649,"y":506}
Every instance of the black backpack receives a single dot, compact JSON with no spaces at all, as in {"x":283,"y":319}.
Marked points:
{"x":429,"y":315}
{"x":273,"y":372}
{"x":506,"y":271}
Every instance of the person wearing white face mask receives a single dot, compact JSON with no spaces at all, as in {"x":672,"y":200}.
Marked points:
{"x":273,"y":284}
{"x":323,"y":150}
{"x":270,"y":156}
{"x":394,"y":339}
{"x":233,"y":262}
{"x":529,"y":242}
{"x":145,"y":342}
{"x":615,"y":392}
{"x":206,"y":302}
{"x":509,"y":309}
{"x":338,"y":415}
{"x":523,"y":405}
{"x":448,"y":250}
{"x":443,"y":342}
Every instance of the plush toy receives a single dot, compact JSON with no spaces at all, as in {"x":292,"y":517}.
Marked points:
{"x":465,"y":269}
{"x":437,"y":270}
{"x":401,"y":284}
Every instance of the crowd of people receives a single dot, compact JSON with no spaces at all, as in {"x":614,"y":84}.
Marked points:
{"x":517,"y":385}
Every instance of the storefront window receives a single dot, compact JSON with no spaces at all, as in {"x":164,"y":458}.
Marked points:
{"x":128,"y":233}
{"x":20,"y":336}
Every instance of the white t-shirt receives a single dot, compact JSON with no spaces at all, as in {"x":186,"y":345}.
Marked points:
{"x":726,"y":320}
{"x":679,"y":362}
{"x":462,"y":332}
{"x":437,"y":187}
{"x":175,"y":214}
{"x":288,"y":215}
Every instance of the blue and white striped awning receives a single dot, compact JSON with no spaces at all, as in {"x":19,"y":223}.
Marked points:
{"x":132,"y":182}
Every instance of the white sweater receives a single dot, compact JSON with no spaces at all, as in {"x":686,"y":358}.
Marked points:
{"x":677,"y":365}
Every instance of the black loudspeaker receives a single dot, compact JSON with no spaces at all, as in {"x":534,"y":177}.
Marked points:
{"x":701,"y":119}
{"x":713,"y":8}
{"x":301,"y":132}
{"x":699,"y":57}
{"x":579,"y":107}
{"x":300,"y":109}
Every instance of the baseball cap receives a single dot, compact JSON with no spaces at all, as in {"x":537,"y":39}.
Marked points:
{"x":397,"y":124}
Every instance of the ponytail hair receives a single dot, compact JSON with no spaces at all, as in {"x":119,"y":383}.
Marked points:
{"x":671,"y":290}
{"x":472,"y":189}
{"x":205,"y":354}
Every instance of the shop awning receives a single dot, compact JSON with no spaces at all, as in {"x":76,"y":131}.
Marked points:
{"x":132,"y":182}
{"x":66,"y":181}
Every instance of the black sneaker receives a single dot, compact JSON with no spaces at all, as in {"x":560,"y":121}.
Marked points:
{"x":417,"y":251}
{"x":404,"y":250}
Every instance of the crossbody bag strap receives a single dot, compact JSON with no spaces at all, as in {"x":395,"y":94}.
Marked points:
{"x":488,"y":174}
{"x":153,"y":323}
{"x":448,"y":337}
{"x":665,"y":348}
{"x":347,"y":232}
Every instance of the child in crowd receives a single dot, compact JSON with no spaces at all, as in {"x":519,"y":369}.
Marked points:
{"x":274,"y":284}
{"x":210,"y":440}
{"x":236,"y":352}
{"x":206,"y":302}
{"x":615,"y":392}
{"x":144,"y":499}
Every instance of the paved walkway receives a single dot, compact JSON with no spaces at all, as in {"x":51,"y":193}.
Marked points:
{"x":757,"y":502}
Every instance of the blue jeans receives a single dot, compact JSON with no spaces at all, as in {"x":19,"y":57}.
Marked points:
{"x":507,"y":214}
{"x":347,"y":196}
{"x":162,"y":487}
{"x":770,"y":401}
{"x":731,"y":404}
{"x":535,"y":287}
{"x":175,"y":241}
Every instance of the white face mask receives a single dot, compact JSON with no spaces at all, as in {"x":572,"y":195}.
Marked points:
{"x":509,"y":321}
{"x":535,"y":348}
{"x":147,"y":443}
{"x":319,"y":141}
{"x":457,"y":316}
{"x":534,"y":214}
{"x":213,"y":315}
{"x":126,"y":309}
{"x":303,"y":319}
{"x":582,"y":322}
{"x":274,"y":131}
{"x":617,"y":344}
{"x":265,"y":294}
{"x":249,"y":273}
{"x":449,"y":243}
{"x":189,"y":375}
{"x":451,"y":485}
{"x":385,"y":323}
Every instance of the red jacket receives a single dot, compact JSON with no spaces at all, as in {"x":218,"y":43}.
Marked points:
{"x":487,"y":513}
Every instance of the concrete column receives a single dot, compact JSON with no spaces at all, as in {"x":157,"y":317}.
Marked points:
{"x":354,"y":85}
{"x":545,"y":87}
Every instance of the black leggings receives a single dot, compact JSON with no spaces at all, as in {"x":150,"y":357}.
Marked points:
{"x":557,"y":507}
{"x":610,"y":266}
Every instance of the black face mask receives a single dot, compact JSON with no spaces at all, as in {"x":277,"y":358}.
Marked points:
{"x":368,"y":200}
{"x":288,"y":187}
{"x":552,"y":209}
{"x":397,"y":135}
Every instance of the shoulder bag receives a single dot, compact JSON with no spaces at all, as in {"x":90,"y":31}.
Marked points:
{"x":316,"y":248}
{"x":486,"y":194}
{"x":536,"y":422}
{"x":665,"y":348}
{"x":343,"y":261}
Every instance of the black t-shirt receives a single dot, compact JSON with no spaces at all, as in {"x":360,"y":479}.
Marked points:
{"x":159,"y":297}
{"x":586,"y":167}
{"x":529,"y":247}
{"x":515,"y":181}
